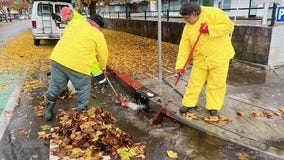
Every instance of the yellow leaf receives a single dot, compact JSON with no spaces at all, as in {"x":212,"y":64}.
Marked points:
{"x":281,"y":109}
{"x":172,"y":154}
{"x":45,"y":127}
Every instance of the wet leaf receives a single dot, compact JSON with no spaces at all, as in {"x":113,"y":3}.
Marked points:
{"x":45,"y":127}
{"x":43,"y":135}
{"x":2,"y":87}
{"x":191,"y":116}
{"x":279,"y":113}
{"x":170,"y":100}
{"x":124,"y":153}
{"x":22,"y":132}
{"x":243,"y":156}
{"x":224,"y":118}
{"x":159,"y":101}
{"x":172,"y":154}
{"x":267,"y":114}
{"x":77,"y":152}
{"x":256,"y":113}
{"x":241,"y":114}
{"x":210,"y":119}
{"x":281,"y":109}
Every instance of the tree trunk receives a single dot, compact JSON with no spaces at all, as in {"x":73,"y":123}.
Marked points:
{"x":92,"y":7}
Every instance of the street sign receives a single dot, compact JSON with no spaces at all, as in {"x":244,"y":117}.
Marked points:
{"x":280,"y":14}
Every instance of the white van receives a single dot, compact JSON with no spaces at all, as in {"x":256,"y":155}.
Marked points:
{"x":43,"y":26}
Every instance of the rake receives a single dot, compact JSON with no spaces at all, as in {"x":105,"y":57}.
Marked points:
{"x":176,"y":82}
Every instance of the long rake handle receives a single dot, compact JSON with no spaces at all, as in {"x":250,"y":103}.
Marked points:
{"x":177,"y":80}
{"x":111,"y":86}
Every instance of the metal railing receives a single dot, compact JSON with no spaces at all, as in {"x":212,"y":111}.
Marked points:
{"x":173,"y":15}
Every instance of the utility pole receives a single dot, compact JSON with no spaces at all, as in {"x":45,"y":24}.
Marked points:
{"x":160,"y":76}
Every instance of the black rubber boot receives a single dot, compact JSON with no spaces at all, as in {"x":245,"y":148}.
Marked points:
{"x":213,"y":112}
{"x":185,"y":109}
{"x":50,"y":99}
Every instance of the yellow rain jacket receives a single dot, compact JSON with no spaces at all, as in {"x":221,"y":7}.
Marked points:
{"x":80,"y":44}
{"x":213,"y":49}
{"x":77,"y":15}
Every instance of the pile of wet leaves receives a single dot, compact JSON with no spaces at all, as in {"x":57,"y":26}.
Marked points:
{"x":91,"y":134}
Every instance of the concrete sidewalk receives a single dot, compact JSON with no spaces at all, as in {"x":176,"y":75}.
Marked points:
{"x":251,"y":91}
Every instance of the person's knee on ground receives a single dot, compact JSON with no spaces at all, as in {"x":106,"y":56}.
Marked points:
{"x":50,"y":100}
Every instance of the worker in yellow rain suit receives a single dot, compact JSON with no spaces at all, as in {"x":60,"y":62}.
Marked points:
{"x":211,"y":56}
{"x":96,"y":21}
{"x":71,"y":59}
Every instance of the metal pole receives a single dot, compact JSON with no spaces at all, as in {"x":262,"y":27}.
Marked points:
{"x":159,"y":41}
{"x":265,"y":14}
{"x":273,"y":14}
{"x":249,"y":8}
{"x":235,"y":18}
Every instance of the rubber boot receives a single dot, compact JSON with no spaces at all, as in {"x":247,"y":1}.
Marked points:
{"x":50,"y":99}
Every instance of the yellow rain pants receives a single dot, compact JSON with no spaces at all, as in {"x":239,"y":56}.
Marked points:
{"x":215,"y":87}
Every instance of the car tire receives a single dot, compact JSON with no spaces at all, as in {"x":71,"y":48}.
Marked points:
{"x":36,"y":42}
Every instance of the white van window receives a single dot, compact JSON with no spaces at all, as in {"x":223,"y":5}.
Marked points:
{"x":58,"y":8}
{"x":44,"y":9}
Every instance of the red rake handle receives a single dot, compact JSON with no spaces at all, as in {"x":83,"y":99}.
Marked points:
{"x":178,"y":78}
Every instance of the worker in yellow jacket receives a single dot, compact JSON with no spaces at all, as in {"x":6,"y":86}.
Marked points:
{"x":72,"y":58}
{"x":211,"y":56}
{"x":96,"y":21}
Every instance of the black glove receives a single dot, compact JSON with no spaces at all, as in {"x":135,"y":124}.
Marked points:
{"x":56,"y":17}
{"x":101,"y":80}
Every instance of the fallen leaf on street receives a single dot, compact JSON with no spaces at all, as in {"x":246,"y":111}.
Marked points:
{"x":191,"y":116}
{"x":45,"y":127}
{"x":256,"y":113}
{"x":281,"y":109}
{"x":22,"y":132}
{"x":241,"y":114}
{"x":243,"y":156}
{"x":172,"y":154}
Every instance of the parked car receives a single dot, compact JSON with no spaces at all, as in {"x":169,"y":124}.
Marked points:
{"x":43,"y":26}
{"x":22,"y":17}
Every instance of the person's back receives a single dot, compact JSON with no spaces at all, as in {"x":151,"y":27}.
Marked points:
{"x":77,"y":48}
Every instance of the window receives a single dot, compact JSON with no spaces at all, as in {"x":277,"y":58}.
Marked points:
{"x":58,"y":8}
{"x":227,"y":4}
{"x":44,"y":9}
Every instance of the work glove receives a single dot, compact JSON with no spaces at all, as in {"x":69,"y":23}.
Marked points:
{"x":56,"y":17}
{"x":203,"y":28}
{"x":181,"y":72}
{"x":102,"y":81}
